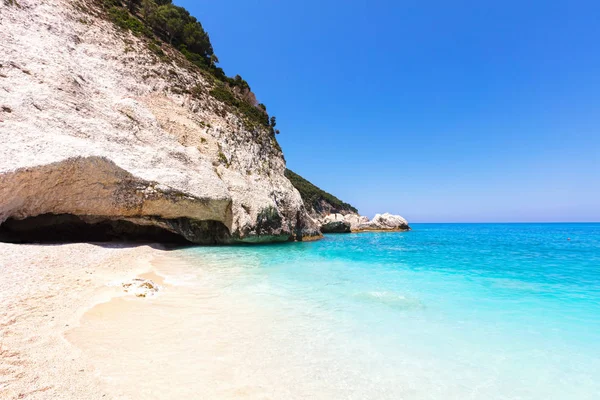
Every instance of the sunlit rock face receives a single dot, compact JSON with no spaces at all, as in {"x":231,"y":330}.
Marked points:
{"x":339,"y":223}
{"x":95,"y":126}
{"x":335,"y":223}
{"x":385,"y":222}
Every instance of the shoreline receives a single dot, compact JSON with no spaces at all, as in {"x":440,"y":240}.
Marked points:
{"x":356,"y":320}
{"x":46,"y":291}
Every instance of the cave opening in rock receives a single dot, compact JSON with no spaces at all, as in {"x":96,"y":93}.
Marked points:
{"x":68,"y":228}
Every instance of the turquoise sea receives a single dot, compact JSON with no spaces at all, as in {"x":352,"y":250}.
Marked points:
{"x":446,"y":311}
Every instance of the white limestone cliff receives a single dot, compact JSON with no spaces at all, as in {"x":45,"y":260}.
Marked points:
{"x":97,"y":129}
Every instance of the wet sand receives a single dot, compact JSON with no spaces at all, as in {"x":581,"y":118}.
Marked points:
{"x":189,"y":341}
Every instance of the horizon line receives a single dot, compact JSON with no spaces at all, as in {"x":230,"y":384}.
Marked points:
{"x":506,"y":222}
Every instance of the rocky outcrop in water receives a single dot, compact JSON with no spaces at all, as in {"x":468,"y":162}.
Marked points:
{"x":103,"y":136}
{"x":384,"y":222}
{"x":335,"y":223}
{"x":335,"y":216}
{"x":339,"y":223}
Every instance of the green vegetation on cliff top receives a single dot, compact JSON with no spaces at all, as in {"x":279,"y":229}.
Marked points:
{"x":314,"y":197}
{"x":176,"y":26}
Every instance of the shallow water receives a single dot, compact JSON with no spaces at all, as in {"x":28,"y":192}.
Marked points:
{"x":446,"y":311}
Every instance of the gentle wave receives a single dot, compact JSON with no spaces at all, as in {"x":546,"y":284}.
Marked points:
{"x":448,"y":311}
{"x":394,"y":300}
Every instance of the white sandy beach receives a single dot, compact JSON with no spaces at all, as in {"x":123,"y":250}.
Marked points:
{"x":70,"y":331}
{"x":44,"y":292}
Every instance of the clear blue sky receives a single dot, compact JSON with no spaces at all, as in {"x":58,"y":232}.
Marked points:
{"x":436,"y":110}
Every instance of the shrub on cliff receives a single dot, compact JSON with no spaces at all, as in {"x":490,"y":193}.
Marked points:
{"x":175,"y":25}
{"x":125,"y":20}
{"x":253,"y":113}
{"x":313,"y":196}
